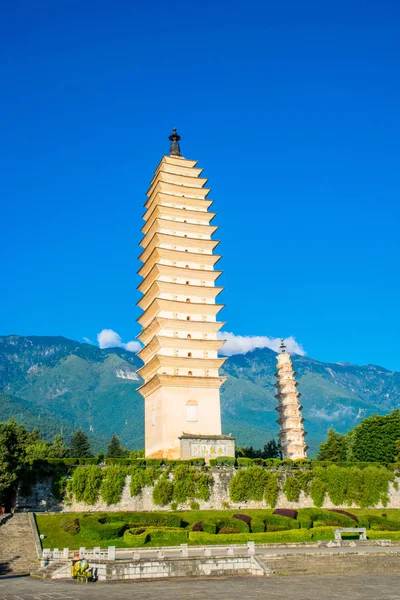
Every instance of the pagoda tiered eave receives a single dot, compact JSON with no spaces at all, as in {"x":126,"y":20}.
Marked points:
{"x":177,"y":201}
{"x":178,"y":289}
{"x":179,"y":169}
{"x":180,"y":381}
{"x":176,"y":215}
{"x":174,"y":306}
{"x":159,"y":270}
{"x":189,"y":180}
{"x":158,"y":342}
{"x":162,"y":324}
{"x":182,"y":244}
{"x":174,"y":227}
{"x":161,"y":360}
{"x":185,"y":258}
{"x":176,"y":192}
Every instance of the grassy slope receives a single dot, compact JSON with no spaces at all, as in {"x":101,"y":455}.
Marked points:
{"x":55,"y":537}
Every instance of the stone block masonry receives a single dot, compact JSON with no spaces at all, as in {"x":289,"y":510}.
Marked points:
{"x":41,"y":499}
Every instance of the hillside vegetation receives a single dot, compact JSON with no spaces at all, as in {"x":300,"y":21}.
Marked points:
{"x":57,"y":384}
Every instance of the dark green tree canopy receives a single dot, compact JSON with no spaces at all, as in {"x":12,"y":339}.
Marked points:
{"x":335,"y":447}
{"x":115,"y":448}
{"x":80,"y":445}
{"x":375,"y":438}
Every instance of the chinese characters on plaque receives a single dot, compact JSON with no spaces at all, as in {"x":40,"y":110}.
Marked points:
{"x":208,"y":450}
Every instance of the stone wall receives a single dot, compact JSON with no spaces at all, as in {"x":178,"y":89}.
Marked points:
{"x":42,"y":499}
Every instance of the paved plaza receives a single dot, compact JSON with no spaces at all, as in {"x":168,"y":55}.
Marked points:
{"x":321,"y":587}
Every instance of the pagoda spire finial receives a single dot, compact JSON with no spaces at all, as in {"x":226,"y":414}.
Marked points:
{"x":282,"y":346}
{"x":175,"y":149}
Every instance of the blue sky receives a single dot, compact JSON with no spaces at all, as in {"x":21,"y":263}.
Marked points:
{"x":291,"y":108}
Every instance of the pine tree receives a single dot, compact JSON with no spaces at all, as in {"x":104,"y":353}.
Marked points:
{"x":80,"y":445}
{"x":115,"y":448}
{"x":335,"y":447}
{"x":58,"y":449}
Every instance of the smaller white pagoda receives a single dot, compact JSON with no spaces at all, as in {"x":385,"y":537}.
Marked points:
{"x":290,"y":420}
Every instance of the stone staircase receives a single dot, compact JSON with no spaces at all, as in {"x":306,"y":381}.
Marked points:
{"x":17,"y":546}
{"x":315,"y":563}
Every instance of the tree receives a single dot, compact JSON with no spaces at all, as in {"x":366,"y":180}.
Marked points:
{"x":115,"y":448}
{"x":58,"y":448}
{"x":42,"y":450}
{"x":335,"y":447}
{"x":13,"y":440}
{"x":375,"y":438}
{"x":272,"y":449}
{"x":80,"y":445}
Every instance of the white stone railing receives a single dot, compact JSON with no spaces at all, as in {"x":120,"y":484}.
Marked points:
{"x":111,"y":553}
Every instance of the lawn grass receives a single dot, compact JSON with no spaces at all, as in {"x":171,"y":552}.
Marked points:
{"x":56,"y":537}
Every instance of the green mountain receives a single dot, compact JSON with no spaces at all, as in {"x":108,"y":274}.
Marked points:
{"x":57,"y":384}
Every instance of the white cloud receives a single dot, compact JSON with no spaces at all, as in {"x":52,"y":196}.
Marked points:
{"x":85,"y":339}
{"x":107,"y":338}
{"x":240,"y":344}
{"x":341,"y":412}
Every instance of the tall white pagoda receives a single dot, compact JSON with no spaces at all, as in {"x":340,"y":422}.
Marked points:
{"x":290,"y":420}
{"x":179,"y":319}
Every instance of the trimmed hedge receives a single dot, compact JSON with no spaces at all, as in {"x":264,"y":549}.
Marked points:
{"x":298,"y":535}
{"x":167,"y":537}
{"x":210,"y":527}
{"x":134,"y":539}
{"x":145,"y":519}
{"x":223,"y":461}
{"x":94,"y":529}
{"x":257,"y":525}
{"x":284,"y":523}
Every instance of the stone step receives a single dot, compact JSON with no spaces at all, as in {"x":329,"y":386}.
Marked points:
{"x":311,"y":564}
{"x":17,"y":546}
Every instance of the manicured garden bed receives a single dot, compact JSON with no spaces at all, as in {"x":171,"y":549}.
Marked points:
{"x":126,"y":530}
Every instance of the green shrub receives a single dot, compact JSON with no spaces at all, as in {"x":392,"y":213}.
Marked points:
{"x":141,"y":478}
{"x":134,"y":539}
{"x":194,"y":505}
{"x":95,"y":528}
{"x":86,"y":483}
{"x":257,"y":525}
{"x":324,"y":517}
{"x":163,"y":492}
{"x":88,"y":461}
{"x":238,"y":524}
{"x":244,"y":462}
{"x":317,"y":491}
{"x":70,"y":525}
{"x":174,"y":505}
{"x":248,"y":484}
{"x":119,"y":461}
{"x":291,"y":488}
{"x":280,"y":537}
{"x":271,"y":489}
{"x":153,"y":462}
{"x":322,"y":533}
{"x":167,"y":537}
{"x":209,"y":527}
{"x":198,"y":462}
{"x":225,"y":530}
{"x":150,"y":519}
{"x":304,"y":520}
{"x":223,"y":461}
{"x":113,"y":484}
{"x":69,"y":462}
{"x":285,"y":523}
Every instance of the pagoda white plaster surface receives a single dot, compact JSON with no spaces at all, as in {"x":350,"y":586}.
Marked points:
{"x":179,"y":318}
{"x":289,"y":408}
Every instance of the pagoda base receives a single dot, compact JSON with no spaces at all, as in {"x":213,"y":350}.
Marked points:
{"x":206,"y":446}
